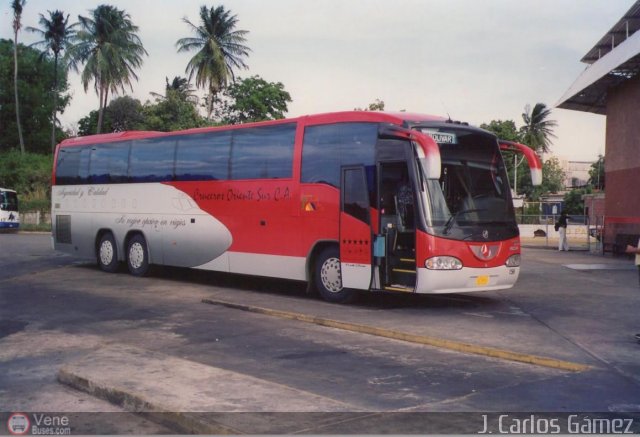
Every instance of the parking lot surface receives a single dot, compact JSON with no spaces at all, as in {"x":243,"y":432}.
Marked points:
{"x":562,"y":340}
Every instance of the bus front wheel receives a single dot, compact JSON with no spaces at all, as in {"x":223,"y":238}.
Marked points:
{"x":108,"y":253}
{"x":328,"y":277}
{"x":137,"y":256}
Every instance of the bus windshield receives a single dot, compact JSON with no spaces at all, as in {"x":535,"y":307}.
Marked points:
{"x":8,"y":201}
{"x":473,"y":192}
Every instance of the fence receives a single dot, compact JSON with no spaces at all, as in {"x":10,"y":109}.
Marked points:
{"x":538,"y":230}
{"x":35,"y":219}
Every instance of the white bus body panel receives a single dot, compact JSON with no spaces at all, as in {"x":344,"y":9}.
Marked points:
{"x":177,"y":231}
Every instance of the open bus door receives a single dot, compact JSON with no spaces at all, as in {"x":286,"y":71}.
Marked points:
{"x":355,"y":229}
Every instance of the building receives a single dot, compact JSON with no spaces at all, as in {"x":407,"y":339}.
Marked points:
{"x":610,"y":85}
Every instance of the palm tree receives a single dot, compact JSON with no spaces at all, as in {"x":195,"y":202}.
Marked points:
{"x":110,"y":49}
{"x":17,"y":6}
{"x":220,"y":49}
{"x":538,"y":129}
{"x":57,"y":34}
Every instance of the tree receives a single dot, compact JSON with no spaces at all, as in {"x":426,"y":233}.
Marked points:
{"x":597,"y":174}
{"x":111,"y":51}
{"x":34,"y":85}
{"x":553,"y":177}
{"x":57,"y":34}
{"x":254,"y":99}
{"x":219,"y":50}
{"x":538,"y":129}
{"x":126,"y":113}
{"x":503,"y":129}
{"x":507,"y":130}
{"x":173,"y":111}
{"x":573,"y":201}
{"x":378,"y":105}
{"x":17,"y":6}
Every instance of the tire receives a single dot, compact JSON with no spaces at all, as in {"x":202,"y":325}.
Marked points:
{"x":137,"y":256}
{"x":328,"y":277}
{"x":108,"y":253}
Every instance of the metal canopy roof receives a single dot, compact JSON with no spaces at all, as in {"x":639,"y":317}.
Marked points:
{"x":613,"y":60}
{"x":623,"y":29}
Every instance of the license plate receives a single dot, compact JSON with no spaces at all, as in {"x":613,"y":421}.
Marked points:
{"x":481,"y":281}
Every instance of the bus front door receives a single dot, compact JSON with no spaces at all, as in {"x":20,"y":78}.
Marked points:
{"x":355,"y":229}
{"x":395,"y":257}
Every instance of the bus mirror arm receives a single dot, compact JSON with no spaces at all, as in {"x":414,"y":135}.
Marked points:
{"x":426,"y":148}
{"x":532,"y":158}
{"x":429,"y":156}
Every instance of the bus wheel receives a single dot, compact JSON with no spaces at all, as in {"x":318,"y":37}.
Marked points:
{"x":328,"y":277}
{"x":137,"y":256}
{"x":108,"y":253}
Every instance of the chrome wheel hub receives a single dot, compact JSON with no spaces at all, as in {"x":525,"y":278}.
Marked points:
{"x":330,"y":275}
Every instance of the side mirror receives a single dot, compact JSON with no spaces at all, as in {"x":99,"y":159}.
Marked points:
{"x":535,"y":165}
{"x":429,"y":156}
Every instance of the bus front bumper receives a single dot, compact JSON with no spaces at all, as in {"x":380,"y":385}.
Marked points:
{"x":466,"y":280}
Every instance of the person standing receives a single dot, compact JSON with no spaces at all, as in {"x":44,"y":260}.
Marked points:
{"x":563,"y":244}
{"x":635,"y":250}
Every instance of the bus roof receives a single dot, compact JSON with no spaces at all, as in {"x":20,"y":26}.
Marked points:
{"x":398,"y":118}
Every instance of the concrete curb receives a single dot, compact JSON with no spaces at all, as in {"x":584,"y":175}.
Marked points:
{"x":411,"y":338}
{"x":182,"y":422}
{"x":182,"y":394}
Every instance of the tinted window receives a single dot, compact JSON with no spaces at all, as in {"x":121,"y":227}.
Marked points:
{"x":73,"y":166}
{"x":151,"y":160}
{"x":328,"y":147}
{"x":203,"y":156}
{"x":263,"y":152}
{"x":109,"y":163}
{"x":356,"y":195}
{"x":8,"y":201}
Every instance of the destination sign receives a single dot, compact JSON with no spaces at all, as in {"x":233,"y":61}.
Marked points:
{"x":441,"y":137}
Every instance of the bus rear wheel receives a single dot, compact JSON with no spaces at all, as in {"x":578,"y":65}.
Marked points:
{"x":108,"y":253}
{"x":328,"y":277}
{"x":137,"y":256}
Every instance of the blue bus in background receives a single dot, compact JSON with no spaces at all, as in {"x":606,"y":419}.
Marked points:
{"x":9,"y":216}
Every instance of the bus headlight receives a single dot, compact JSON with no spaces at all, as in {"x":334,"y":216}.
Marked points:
{"x":443,"y":263}
{"x":513,"y":261}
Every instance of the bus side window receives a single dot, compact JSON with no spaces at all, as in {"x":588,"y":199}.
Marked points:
{"x":109,"y":163}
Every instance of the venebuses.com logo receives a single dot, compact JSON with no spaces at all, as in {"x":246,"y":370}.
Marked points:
{"x":18,"y":424}
{"x":38,"y":424}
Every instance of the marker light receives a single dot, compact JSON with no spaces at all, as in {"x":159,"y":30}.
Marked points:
{"x":443,"y":263}
{"x":513,"y":261}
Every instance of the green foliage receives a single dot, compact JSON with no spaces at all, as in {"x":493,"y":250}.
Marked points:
{"x":174,"y":111}
{"x":29,"y":175}
{"x":503,"y":129}
{"x":108,"y":46}
{"x":538,"y":128}
{"x":573,"y":202}
{"x":597,"y":173}
{"x":552,"y":180}
{"x":378,"y":105}
{"x":35,"y":84}
{"x":219,"y":50}
{"x":253,"y":99}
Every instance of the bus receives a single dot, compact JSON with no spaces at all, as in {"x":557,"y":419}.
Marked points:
{"x":9,"y":215}
{"x":347,"y":201}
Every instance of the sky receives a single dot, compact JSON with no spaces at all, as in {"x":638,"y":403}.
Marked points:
{"x":474,"y":60}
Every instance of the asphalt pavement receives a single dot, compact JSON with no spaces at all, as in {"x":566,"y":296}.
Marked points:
{"x":75,"y":339}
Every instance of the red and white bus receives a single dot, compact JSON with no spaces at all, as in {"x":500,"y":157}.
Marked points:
{"x":347,"y":201}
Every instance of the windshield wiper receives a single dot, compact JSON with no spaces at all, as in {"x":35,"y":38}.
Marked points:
{"x":454,"y":218}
